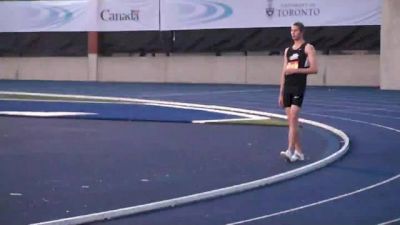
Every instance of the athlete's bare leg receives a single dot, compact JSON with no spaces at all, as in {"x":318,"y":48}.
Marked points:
{"x":290,"y":139}
{"x":293,"y":120}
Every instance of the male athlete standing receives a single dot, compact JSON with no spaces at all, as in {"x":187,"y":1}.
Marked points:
{"x":299,"y":60}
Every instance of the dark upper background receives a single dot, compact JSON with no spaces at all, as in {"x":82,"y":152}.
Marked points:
{"x":219,"y":41}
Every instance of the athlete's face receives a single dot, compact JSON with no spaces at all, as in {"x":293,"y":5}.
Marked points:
{"x":296,"y":33}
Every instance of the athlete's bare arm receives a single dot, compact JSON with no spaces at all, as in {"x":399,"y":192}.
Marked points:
{"x":280,"y":101}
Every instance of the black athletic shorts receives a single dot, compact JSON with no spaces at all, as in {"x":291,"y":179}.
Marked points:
{"x":293,"y":98}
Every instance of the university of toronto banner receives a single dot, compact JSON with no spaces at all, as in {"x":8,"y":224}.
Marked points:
{"x":211,"y":14}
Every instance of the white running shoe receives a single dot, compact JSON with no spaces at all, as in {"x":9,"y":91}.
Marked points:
{"x":297,"y":156}
{"x":287,"y":154}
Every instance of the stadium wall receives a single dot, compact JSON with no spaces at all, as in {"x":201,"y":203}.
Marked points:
{"x":390,"y":46}
{"x":233,"y":68}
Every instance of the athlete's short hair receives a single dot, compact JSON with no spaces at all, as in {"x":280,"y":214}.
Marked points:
{"x":300,"y":25}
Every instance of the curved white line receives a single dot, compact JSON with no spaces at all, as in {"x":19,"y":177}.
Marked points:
{"x":360,"y":109}
{"x":45,"y":114}
{"x":232,"y":113}
{"x":333,"y":198}
{"x":360,"y":113}
{"x":355,"y":121}
{"x":230,"y":120}
{"x":319,"y":202}
{"x":390,"y":222}
{"x":142,"y":103}
{"x":351,"y":104}
{"x":204,"y":195}
{"x":201,"y":93}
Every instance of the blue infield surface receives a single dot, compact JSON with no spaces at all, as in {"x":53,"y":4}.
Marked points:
{"x":56,"y":168}
{"x":110,"y":111}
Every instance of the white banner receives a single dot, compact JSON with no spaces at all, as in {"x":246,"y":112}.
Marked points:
{"x":79,"y":15}
{"x":131,"y":15}
{"x":211,"y":14}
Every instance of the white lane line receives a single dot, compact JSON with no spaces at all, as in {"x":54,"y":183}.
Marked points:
{"x":355,"y":121}
{"x":16,"y":194}
{"x":60,"y":101}
{"x":135,"y":101}
{"x":350,"y":105}
{"x":337,"y":197}
{"x":317,"y":203}
{"x":231,"y":120}
{"x":209,"y":194}
{"x":390,"y":222}
{"x":246,"y":116}
{"x":356,"y":103}
{"x":204,"y":93}
{"x":351,"y":98}
{"x":44,"y":114}
{"x":335,"y":106}
{"x":362,"y":113}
